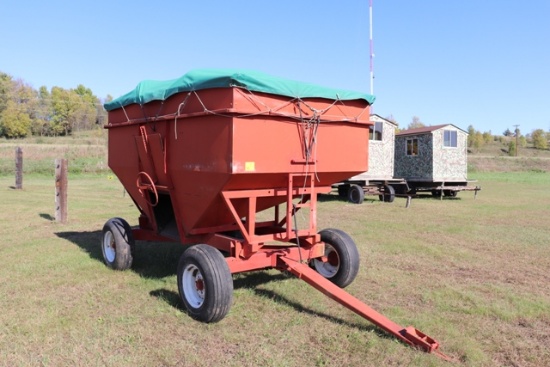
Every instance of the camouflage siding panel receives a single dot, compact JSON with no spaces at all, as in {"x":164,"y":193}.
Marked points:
{"x":434,"y":161}
{"x":381,"y":156}
{"x":450,"y":163}
{"x":414,"y":166}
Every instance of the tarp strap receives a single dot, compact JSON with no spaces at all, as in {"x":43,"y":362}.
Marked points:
{"x":181,"y":105}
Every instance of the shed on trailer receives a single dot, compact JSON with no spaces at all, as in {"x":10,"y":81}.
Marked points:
{"x":376,"y":180}
{"x":433,"y":159}
{"x":432,"y":153}
{"x":381,"y":148}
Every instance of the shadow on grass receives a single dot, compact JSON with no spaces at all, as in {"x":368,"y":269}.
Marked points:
{"x":300,"y":308}
{"x":170,"y":297}
{"x":242,"y":280}
{"x":324,"y":198}
{"x":151,"y":259}
{"x":255,"y":279}
{"x":159,"y":260}
{"x":369,"y":199}
{"x":47,"y":217}
{"x":330,"y":198}
{"x":432,"y":197}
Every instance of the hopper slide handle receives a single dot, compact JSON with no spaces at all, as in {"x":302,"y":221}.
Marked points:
{"x":408,"y":335}
{"x":147,"y":186}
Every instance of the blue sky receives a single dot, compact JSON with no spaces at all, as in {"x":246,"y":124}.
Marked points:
{"x":484,"y":63}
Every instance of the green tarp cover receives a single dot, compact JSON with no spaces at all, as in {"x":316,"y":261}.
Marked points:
{"x":151,"y":90}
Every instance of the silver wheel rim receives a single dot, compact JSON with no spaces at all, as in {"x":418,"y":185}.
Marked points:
{"x":109,"y":246}
{"x":193,"y":286}
{"x":329,"y":268}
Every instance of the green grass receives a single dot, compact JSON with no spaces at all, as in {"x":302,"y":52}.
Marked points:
{"x":86,"y":152}
{"x":471,"y":273}
{"x":493,"y":157}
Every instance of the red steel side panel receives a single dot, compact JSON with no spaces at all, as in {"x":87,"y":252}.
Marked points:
{"x":241,"y":142}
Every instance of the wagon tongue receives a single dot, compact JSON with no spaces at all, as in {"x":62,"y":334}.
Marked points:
{"x":408,"y":335}
{"x":423,"y":341}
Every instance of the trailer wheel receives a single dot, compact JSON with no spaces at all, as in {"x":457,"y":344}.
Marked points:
{"x":356,"y":194}
{"x":450,"y":193}
{"x":389,"y":194}
{"x":342,"y":258}
{"x":436,"y":193}
{"x":117,"y":244}
{"x":205,"y":283}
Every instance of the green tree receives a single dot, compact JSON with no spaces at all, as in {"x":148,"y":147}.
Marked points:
{"x":62,"y":111}
{"x":102,"y":114}
{"x":415,"y":123}
{"x":5,"y":90}
{"x":477,"y":140}
{"x":522,"y":141}
{"x":512,"y":148}
{"x":43,"y":113}
{"x":88,"y":109}
{"x":16,"y":107}
{"x":15,"y":122}
{"x":471,"y":136}
{"x":69,"y":111}
{"x":539,"y":139}
{"x":487,"y":137}
{"x":25,"y":97}
{"x":58,"y":112}
{"x":389,"y":117}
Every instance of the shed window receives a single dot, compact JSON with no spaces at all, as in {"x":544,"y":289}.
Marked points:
{"x":449,"y":138}
{"x":412,"y":146}
{"x":376,"y":131}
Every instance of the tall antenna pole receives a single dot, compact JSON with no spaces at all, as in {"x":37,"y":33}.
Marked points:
{"x":371,"y":51}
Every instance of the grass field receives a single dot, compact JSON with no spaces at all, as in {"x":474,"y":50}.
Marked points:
{"x":85,"y":151}
{"x":472,"y":274}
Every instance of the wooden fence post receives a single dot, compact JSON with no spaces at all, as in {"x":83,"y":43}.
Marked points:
{"x":18,"y":168}
{"x":61,"y":190}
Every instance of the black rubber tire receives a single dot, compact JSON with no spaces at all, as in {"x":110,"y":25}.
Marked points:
{"x":117,"y":244}
{"x":436,"y":193}
{"x":450,"y":193}
{"x":205,"y":283}
{"x":389,"y":194}
{"x":343,"y":258}
{"x":356,"y":194}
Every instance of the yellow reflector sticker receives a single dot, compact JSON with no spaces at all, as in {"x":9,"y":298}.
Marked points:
{"x":249,"y":166}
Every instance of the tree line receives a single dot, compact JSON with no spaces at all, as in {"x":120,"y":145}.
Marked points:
{"x":25,"y":111}
{"x":477,"y":139}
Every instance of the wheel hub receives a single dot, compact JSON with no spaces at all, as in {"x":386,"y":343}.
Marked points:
{"x":193,"y":286}
{"x":109,"y":246}
{"x":329,"y":265}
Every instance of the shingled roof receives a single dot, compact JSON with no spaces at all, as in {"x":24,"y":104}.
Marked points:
{"x":425,"y":130}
